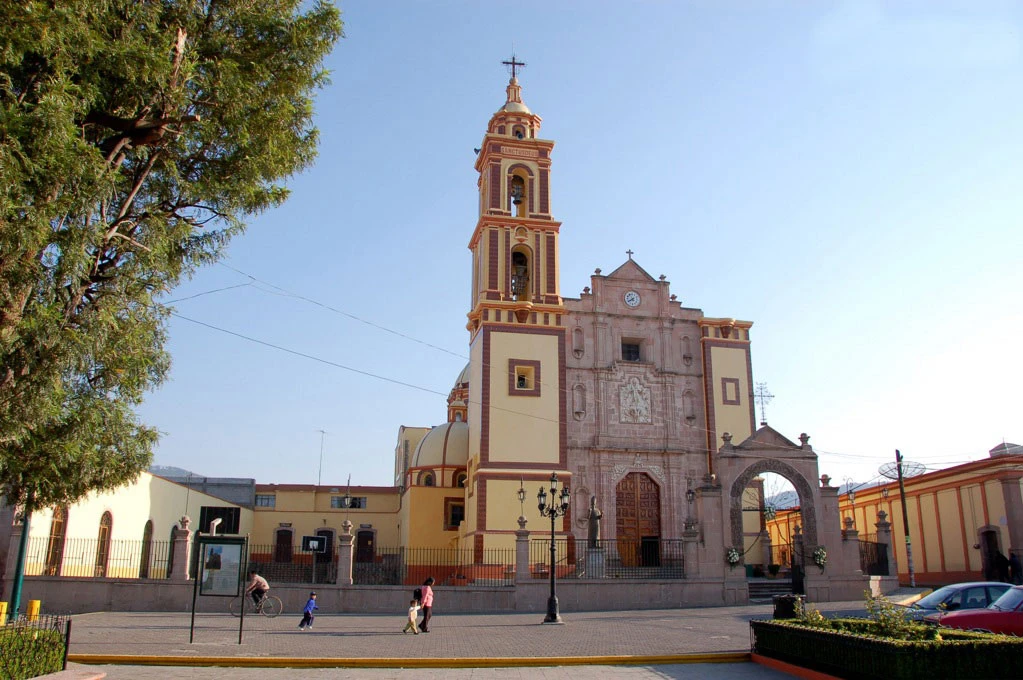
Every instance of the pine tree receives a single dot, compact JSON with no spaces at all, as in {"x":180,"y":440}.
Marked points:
{"x":136,"y":136}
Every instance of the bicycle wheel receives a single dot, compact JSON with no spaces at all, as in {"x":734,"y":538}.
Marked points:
{"x":235,"y":606}
{"x":271,"y":606}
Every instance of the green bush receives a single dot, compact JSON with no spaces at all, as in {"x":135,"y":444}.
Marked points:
{"x":28,"y":652}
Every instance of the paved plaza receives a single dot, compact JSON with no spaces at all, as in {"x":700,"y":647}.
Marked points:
{"x":661,"y":643}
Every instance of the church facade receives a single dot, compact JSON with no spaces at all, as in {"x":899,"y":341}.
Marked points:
{"x":641,"y":406}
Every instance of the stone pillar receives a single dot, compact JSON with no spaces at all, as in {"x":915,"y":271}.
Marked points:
{"x":522,"y":551}
{"x":884,"y":537}
{"x":182,"y":547}
{"x":851,"y":547}
{"x":690,"y":541}
{"x":345,"y":554}
{"x":765,"y":540}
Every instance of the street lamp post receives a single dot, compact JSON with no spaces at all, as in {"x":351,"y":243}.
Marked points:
{"x":557,"y":508}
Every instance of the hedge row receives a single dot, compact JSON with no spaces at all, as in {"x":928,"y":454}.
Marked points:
{"x":862,"y":656}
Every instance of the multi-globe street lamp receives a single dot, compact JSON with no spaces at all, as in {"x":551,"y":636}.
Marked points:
{"x":557,"y":507}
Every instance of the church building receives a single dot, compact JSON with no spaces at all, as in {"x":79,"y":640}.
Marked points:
{"x":630,"y":398}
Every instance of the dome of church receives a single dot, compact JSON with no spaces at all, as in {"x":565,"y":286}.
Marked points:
{"x":463,"y":378}
{"x":446,"y":444}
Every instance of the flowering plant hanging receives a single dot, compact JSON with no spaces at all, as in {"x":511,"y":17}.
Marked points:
{"x":820,"y":557}
{"x":732,"y":556}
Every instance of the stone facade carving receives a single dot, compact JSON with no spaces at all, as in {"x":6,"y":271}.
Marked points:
{"x":634,"y":402}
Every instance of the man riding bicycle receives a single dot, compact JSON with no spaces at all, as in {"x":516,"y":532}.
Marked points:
{"x":257,"y":586}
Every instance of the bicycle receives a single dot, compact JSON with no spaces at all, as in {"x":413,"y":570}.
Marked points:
{"x":269,"y":605}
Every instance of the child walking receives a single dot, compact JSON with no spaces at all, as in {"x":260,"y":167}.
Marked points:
{"x":413,"y":613}
{"x":307,"y":613}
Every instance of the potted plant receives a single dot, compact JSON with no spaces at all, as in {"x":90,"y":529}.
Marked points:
{"x":773,"y":569}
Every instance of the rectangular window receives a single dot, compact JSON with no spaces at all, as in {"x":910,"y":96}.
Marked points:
{"x":357,"y":502}
{"x":523,"y":378}
{"x":730,"y":391}
{"x":230,"y":517}
{"x":266,"y":500}
{"x":630,"y":351}
{"x":454,"y":513}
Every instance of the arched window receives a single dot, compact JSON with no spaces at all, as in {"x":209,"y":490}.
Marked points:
{"x":460,"y":480}
{"x":520,"y":275}
{"x":106,"y":524}
{"x":283,"y":545}
{"x":517,"y":195}
{"x":428,"y":479}
{"x":147,"y":549}
{"x":170,"y":552}
{"x":55,"y":546}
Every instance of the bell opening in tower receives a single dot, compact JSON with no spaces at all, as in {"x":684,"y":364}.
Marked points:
{"x":520,"y":276}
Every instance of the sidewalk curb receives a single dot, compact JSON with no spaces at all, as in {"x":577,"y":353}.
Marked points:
{"x":339,"y":662}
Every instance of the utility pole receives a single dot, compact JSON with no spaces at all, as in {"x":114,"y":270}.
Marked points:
{"x":905,"y":519}
{"x":319,"y":476}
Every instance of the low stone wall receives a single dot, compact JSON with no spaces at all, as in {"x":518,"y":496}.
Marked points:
{"x":82,"y":595}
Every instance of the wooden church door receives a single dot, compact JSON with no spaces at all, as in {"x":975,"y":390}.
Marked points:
{"x":638,"y":528}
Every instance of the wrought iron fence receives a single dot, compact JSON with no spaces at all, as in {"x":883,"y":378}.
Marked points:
{"x":448,"y":566}
{"x":389,"y":566}
{"x":781,"y":554}
{"x":874,"y":558}
{"x":32,"y":648}
{"x":92,"y":557}
{"x":614,"y":558}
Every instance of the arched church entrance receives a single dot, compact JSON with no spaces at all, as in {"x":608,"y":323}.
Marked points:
{"x":638,"y":524}
{"x":750,"y":535}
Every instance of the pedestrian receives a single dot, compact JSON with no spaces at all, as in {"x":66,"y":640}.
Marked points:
{"x":1015,"y":568}
{"x":307,"y":613}
{"x":427,"y":604}
{"x":1001,"y":567}
{"x":413,"y":612}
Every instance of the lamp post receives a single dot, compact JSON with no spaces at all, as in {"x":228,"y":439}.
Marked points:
{"x":690,"y":497}
{"x":557,"y":508}
{"x":521,"y":493}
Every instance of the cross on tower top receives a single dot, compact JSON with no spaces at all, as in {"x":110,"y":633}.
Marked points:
{"x":513,"y":64}
{"x":764,"y":397}
{"x":629,"y":253}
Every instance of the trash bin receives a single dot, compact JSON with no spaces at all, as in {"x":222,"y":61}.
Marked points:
{"x":785,"y":606}
{"x":33,"y":610}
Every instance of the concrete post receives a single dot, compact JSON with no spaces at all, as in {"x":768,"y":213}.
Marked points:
{"x":851,"y":548}
{"x":884,"y":537}
{"x":345,"y":554}
{"x":182,"y":547}
{"x":522,"y":551}
{"x":690,"y":541}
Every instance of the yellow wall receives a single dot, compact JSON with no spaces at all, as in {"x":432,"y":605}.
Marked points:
{"x":426,"y":517}
{"x":149,"y":498}
{"x":524,"y":429}
{"x":307,"y":510}
{"x":730,"y":362}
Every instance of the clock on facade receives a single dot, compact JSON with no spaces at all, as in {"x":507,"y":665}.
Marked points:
{"x":632,"y":298}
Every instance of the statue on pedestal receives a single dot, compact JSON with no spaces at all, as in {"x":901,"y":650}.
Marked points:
{"x":594,"y":523}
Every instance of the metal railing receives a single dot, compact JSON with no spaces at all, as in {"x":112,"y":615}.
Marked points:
{"x":659,"y":558}
{"x":448,"y":567}
{"x":91,"y":558}
{"x":874,"y":558}
{"x":30,"y":647}
{"x":389,"y":566}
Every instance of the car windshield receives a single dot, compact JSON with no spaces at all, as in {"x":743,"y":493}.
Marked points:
{"x":934,"y":599}
{"x":1009,"y":600}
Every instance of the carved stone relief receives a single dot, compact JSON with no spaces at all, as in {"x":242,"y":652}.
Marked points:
{"x":634,"y":402}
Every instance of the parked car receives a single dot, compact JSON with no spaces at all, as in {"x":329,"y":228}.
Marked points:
{"x":1005,"y":615}
{"x":972,"y":595}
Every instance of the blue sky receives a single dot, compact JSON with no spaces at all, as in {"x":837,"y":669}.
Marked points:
{"x":846,"y":175}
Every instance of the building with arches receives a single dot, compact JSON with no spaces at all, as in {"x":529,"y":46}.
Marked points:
{"x":634,"y":400}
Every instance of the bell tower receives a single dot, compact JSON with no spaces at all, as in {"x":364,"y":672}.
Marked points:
{"x":517,"y":339}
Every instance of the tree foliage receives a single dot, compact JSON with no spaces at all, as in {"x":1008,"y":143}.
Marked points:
{"x":135,"y":138}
